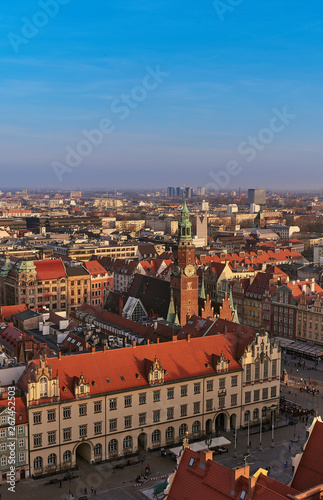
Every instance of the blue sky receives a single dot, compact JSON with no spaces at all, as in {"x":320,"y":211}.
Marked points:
{"x":226,"y":73}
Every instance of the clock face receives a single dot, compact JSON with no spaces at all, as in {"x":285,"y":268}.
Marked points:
{"x":189,"y":270}
{"x":176,"y":270}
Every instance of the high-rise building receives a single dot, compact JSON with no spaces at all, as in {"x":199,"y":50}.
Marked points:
{"x":171,"y":192}
{"x":257,"y":196}
{"x":200,"y":191}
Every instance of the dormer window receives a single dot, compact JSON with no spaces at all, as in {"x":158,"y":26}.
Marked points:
{"x":43,"y":387}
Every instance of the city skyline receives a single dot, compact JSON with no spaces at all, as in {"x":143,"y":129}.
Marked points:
{"x":205,"y":82}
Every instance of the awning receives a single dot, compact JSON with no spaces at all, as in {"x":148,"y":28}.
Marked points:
{"x":200,"y":445}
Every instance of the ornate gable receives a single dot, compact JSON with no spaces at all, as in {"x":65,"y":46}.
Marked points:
{"x":81,"y":387}
{"x":156,"y":374}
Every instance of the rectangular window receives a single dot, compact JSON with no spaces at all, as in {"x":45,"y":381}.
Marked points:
{"x":142,"y":419}
{"x":221,"y":401}
{"x":234,"y":399}
{"x":82,"y":410}
{"x":256,"y":395}
{"x":170,"y":413}
{"x":113,"y":404}
{"x":2,"y":434}
{"x":209,"y":385}
{"x":51,"y":415}
{"x":67,"y":434}
{"x":170,"y":393}
{"x":52,"y":437}
{"x":222,"y":383}
{"x":20,"y":430}
{"x":113,"y":424}
{"x":83,"y":431}
{"x":183,"y":410}
{"x":248,"y":372}
{"x":184,"y":390}
{"x":156,"y":396}
{"x":98,"y":407}
{"x":127,"y":401}
{"x":98,"y":428}
{"x":257,"y":370}
{"x":142,"y":398}
{"x":127,"y":422}
{"x":248,"y":397}
{"x":197,"y":388}
{"x":234,"y":381}
{"x":3,"y":447}
{"x":37,"y":440}
{"x":274,"y":368}
{"x":37,"y":418}
{"x":3,"y":461}
{"x":265,"y":393}
{"x":21,"y":457}
{"x":209,"y":404}
{"x":197,"y":407}
{"x":273,"y":392}
{"x":67,"y":412}
{"x":266,"y":368}
{"x":21,"y":443}
{"x":156,"y":415}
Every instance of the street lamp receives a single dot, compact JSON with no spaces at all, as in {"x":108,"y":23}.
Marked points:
{"x":208,"y":440}
{"x":272,"y":425}
{"x":141,"y":460}
{"x":260,"y":431}
{"x":235,"y":441}
{"x":248,"y":444}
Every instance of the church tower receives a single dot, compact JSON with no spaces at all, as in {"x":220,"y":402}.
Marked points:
{"x":184,"y":279}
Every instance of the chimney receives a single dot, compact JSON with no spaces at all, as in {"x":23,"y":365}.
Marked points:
{"x":157,"y":341}
{"x":104,"y":348}
{"x":134,"y":343}
{"x":59,"y":355}
{"x":147,"y":341}
{"x":313,"y":287}
{"x":174,"y":338}
{"x":304,"y":289}
{"x":86,"y":345}
{"x":205,"y":456}
{"x":93,"y":349}
{"x":188,"y":338}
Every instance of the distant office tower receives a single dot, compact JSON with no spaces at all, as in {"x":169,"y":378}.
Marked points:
{"x":171,"y":192}
{"x":201,"y":228}
{"x":188,"y":192}
{"x":179,"y":192}
{"x":257,"y":196}
{"x":200,"y":191}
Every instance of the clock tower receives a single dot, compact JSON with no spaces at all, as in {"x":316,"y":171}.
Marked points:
{"x":184,"y":279}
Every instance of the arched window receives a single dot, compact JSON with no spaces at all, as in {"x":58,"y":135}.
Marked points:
{"x":97,"y":449}
{"x":127,"y":442}
{"x":170,"y":433}
{"x":182,"y":429}
{"x":156,"y":374}
{"x":255,"y":414}
{"x":196,"y":426}
{"x":155,"y":437}
{"x":264,"y":412}
{"x":247,"y":416}
{"x":52,"y":459}
{"x":67,"y":456}
{"x":38,"y":463}
{"x":113,"y":445}
{"x":43,"y":387}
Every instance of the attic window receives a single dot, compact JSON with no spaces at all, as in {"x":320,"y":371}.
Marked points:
{"x":64,"y":389}
{"x":191,"y":462}
{"x":93,"y":383}
{"x":20,"y":417}
{"x":108,"y":380}
{"x":122,"y":377}
{"x":242,"y":495}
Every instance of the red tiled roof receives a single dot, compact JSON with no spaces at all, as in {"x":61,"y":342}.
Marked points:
{"x":309,"y":472}
{"x":6,"y":312}
{"x":94,"y":267}
{"x":20,"y":407}
{"x":49,"y":269}
{"x":127,"y":368}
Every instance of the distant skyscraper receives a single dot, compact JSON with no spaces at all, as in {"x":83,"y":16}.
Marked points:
{"x":179,"y":192}
{"x":188,"y":192}
{"x":257,"y":196}
{"x":171,"y":192}
{"x":200,"y":191}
